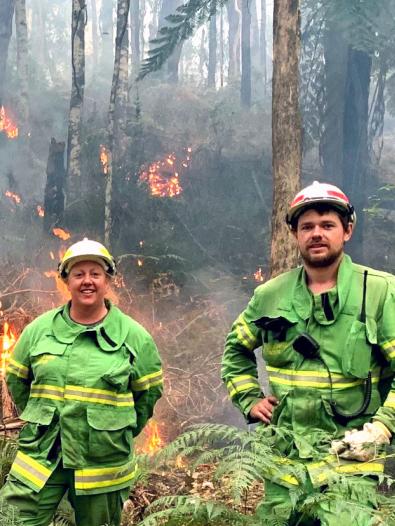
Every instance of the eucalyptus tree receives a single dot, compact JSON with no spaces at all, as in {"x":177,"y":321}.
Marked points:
{"x":6,"y":15}
{"x":22,"y":68}
{"x":245,"y":86}
{"x":212,"y":47}
{"x":263,"y":45}
{"x":233,"y":39}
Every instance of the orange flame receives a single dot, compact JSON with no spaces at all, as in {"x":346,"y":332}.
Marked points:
{"x":259,"y":275}
{"x":7,"y":342}
{"x":153,"y":441}
{"x":63,"y":234}
{"x":180,"y":462}
{"x":60,"y":285}
{"x":6,"y":125}
{"x":103,"y":157}
{"x":40,"y":211}
{"x":139,"y":262}
{"x":13,"y":196}
{"x":162,"y":176}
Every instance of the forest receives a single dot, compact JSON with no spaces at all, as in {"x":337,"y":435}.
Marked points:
{"x":176,"y":132}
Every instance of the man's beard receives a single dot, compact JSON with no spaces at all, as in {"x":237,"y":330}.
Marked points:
{"x":324,"y":262}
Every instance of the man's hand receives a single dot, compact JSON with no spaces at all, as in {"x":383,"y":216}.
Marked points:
{"x":263,"y":410}
{"x":361,"y":444}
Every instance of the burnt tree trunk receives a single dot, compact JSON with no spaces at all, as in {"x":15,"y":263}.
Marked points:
{"x":54,"y":188}
{"x":212,"y":48}
{"x":286,"y":129}
{"x":245,"y":86}
{"x":233,"y":39}
{"x":78,"y":21}
{"x":22,"y":67}
{"x":6,"y":14}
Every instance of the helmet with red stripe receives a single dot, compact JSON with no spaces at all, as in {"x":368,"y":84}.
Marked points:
{"x":320,"y":193}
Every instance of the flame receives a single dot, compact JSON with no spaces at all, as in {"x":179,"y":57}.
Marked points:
{"x":6,"y":124}
{"x":259,"y":275}
{"x":162,"y":176}
{"x":153,"y":441}
{"x":139,"y":262}
{"x":60,"y":285}
{"x":7,"y":342}
{"x":103,"y":157}
{"x":40,"y":211}
{"x":180,"y":462}
{"x":63,"y":234}
{"x":13,"y":196}
{"x":141,"y":243}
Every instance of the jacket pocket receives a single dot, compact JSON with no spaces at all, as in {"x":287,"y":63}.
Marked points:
{"x":40,"y":429}
{"x":46,"y":356}
{"x":356,"y":359}
{"x":110,"y":433}
{"x":118,"y":376}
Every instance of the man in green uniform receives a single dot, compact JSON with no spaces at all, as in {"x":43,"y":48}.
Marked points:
{"x":85,"y":378}
{"x":327,"y":331}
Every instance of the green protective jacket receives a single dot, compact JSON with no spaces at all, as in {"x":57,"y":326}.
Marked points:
{"x":84,"y":392}
{"x":351,"y":347}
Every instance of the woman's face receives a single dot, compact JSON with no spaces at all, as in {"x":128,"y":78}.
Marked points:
{"x":88,"y":285}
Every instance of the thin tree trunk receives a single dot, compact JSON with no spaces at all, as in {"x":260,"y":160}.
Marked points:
{"x":53,"y":195}
{"x":135,"y":35}
{"x":141,"y":28}
{"x":169,"y":7}
{"x":114,"y":122}
{"x":22,"y":67}
{"x":245,"y":86}
{"x":78,"y":21}
{"x":95,"y":39}
{"x":6,"y":14}
{"x":221,"y":47}
{"x":254,"y":34}
{"x":107,"y":36}
{"x":212,"y":48}
{"x":286,"y":129}
{"x":233,"y":39}
{"x":153,"y":26}
{"x":202,"y":56}
{"x":263,"y":45}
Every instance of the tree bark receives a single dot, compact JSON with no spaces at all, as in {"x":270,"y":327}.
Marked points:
{"x":6,"y":14}
{"x":262,"y":45}
{"x":53,"y":195}
{"x":286,"y":129}
{"x":22,"y":67}
{"x":245,"y":86}
{"x":255,"y":57}
{"x":95,"y":39}
{"x":78,"y":21}
{"x":135,"y":35}
{"x":233,"y":39}
{"x":212,"y":48}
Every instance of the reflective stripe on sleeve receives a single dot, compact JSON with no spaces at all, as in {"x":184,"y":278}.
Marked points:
{"x":31,"y":470}
{"x":149,"y":380}
{"x":316,"y":379}
{"x":244,"y":334}
{"x":390,"y":400}
{"x":86,"y":479}
{"x":241,"y":383}
{"x":388,"y":349}
{"x":18,"y":369}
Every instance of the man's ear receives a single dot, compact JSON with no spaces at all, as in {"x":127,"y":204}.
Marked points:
{"x":348,"y":232}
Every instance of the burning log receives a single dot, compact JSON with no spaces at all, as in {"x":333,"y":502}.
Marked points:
{"x":54,"y":195}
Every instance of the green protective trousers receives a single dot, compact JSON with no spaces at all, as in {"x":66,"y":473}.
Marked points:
{"x":277,"y":501}
{"x":38,"y":508}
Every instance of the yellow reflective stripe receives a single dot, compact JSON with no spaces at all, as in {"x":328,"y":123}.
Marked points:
{"x":52,"y":392}
{"x":17,"y":368}
{"x":244,"y":334}
{"x":317,"y":379}
{"x":242,"y":383}
{"x":104,"y":477}
{"x":390,"y":401}
{"x":149,"y":380}
{"x":321,"y":471}
{"x":31,"y":469}
{"x":98,"y":400}
{"x":82,"y":394}
{"x":389,"y":348}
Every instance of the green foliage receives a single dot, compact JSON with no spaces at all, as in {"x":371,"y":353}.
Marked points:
{"x":182,"y":24}
{"x":243,"y":458}
{"x":9,"y":516}
{"x":8,"y":448}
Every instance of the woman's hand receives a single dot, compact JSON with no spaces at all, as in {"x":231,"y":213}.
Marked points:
{"x":263,"y":410}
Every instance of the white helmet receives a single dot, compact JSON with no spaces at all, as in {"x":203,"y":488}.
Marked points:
{"x":86,"y":250}
{"x":317,"y":193}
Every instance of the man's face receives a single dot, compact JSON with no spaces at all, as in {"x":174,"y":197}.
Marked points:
{"x":321,"y":238}
{"x":88,"y":284}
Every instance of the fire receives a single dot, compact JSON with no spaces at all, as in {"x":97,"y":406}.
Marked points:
{"x":162,"y":176}
{"x":40,"y":211}
{"x":60,"y":284}
{"x":63,"y":234}
{"x":180,"y":462}
{"x":6,"y":124}
{"x":139,"y":262}
{"x":103,"y":157}
{"x":13,"y":196}
{"x":259,"y":275}
{"x":153,"y":441}
{"x":7,"y":342}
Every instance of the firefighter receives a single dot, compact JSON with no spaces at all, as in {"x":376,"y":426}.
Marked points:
{"x":327,"y":331}
{"x":85,"y":378}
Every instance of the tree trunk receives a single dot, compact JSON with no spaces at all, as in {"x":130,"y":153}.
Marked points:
{"x":115,"y":123}
{"x":153,"y":26}
{"x":245,"y":86}
{"x":107,"y":36}
{"x":262,"y":45}
{"x":212,"y":48}
{"x":22,"y":67}
{"x":78,"y":20}
{"x":355,"y":133}
{"x":135,"y":35}
{"x":169,"y":7}
{"x":233,"y":39}
{"x":286,"y":129}
{"x":221,"y":47}
{"x":202,"y":56}
{"x":95,"y":40}
{"x":53,"y":195}
{"x":255,"y":57}
{"x":6,"y":14}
